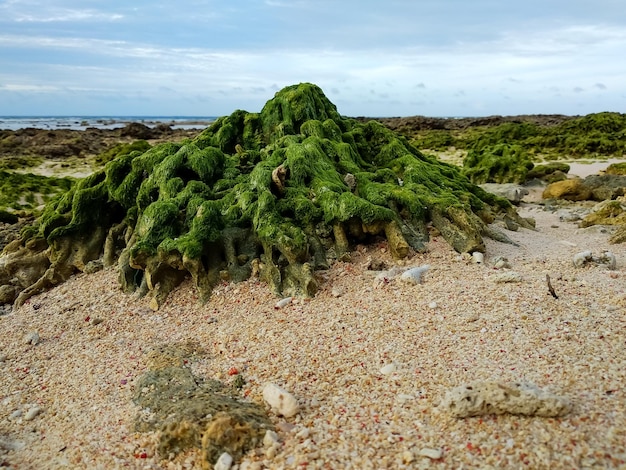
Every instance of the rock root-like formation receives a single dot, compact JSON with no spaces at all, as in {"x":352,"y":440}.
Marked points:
{"x":275,"y":194}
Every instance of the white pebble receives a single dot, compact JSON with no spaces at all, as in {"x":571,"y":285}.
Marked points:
{"x":581,"y":258}
{"x":478,"y":257}
{"x":303,"y":433}
{"x":283,"y":302}
{"x":270,"y":438}
{"x":281,"y":401}
{"x":224,"y":462}
{"x":414,"y":275}
{"x":32,"y":338}
{"x":16,"y":414}
{"x":434,"y":454}
{"x":432,"y":305}
{"x":32,"y":413}
{"x":388,"y":369}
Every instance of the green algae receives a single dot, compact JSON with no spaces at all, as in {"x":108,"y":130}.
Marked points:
{"x":277,"y":193}
{"x":26,"y":192}
{"x":500,"y":163}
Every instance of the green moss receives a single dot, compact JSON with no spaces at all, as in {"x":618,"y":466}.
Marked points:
{"x":290,"y":186}
{"x":500,"y":163}
{"x":616,"y":169}
{"x":122,"y":149}
{"x":25,"y":191}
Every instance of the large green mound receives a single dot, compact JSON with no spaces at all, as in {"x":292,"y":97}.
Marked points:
{"x":276,"y":194}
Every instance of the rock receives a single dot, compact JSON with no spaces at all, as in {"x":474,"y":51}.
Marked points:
{"x":478,"y":257}
{"x":414,"y":275}
{"x":506,"y":277}
{"x":224,"y":462}
{"x":283,"y":302}
{"x":606,"y":259}
{"x":582,"y":258}
{"x":500,"y":262}
{"x":32,"y":413}
{"x":270,"y":438}
{"x":482,"y":398}
{"x":32,"y":338}
{"x":604,"y":187}
{"x":434,"y":454}
{"x":570,"y":190}
{"x":513,"y":192}
{"x":281,"y":401}
{"x":605,"y":213}
{"x":388,"y":369}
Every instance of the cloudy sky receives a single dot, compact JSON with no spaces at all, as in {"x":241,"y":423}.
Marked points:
{"x":371,"y":57}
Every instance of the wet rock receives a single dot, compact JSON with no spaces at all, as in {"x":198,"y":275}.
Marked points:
{"x":482,"y":398}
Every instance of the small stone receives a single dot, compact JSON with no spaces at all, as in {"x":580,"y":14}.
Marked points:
{"x":32,"y":413}
{"x":482,"y":398}
{"x":283,"y":302}
{"x":432,"y":305}
{"x":16,"y":414}
{"x":582,"y":258}
{"x":500,"y":262}
{"x":507,"y":276}
{"x":478,"y":257}
{"x":388,"y":369}
{"x":32,"y":338}
{"x":336,"y":293}
{"x":3,"y":357}
{"x":407,"y":457}
{"x":224,"y":462}
{"x":281,"y":401}
{"x":96,"y":321}
{"x":608,"y":259}
{"x":434,"y":454}
{"x":414,"y":275}
{"x":270,"y":438}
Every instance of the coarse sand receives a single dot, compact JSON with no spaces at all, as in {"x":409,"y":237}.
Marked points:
{"x":368,"y":360}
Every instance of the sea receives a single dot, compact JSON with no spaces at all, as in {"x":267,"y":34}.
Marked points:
{"x":101,"y":122}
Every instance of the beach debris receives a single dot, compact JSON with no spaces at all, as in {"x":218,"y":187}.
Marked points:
{"x":433,"y":454}
{"x":414,"y":275}
{"x":32,"y":413}
{"x":32,"y":338}
{"x":500,"y":262}
{"x":550,"y":288}
{"x":606,"y":259}
{"x":388,"y":369}
{"x":224,"y":462}
{"x":280,"y":400}
{"x":478,"y":257}
{"x":483,"y":398}
{"x":283,"y":303}
{"x":507,"y":277}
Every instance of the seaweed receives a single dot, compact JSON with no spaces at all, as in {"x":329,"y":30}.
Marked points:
{"x":278,"y":194}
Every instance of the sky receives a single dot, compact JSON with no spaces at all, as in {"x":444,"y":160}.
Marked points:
{"x":372,"y":58}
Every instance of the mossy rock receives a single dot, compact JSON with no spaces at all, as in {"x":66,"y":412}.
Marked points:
{"x":616,"y":169}
{"x":500,"y":163}
{"x":189,"y":411}
{"x":608,"y":213}
{"x":276,"y":194}
{"x":550,"y":172}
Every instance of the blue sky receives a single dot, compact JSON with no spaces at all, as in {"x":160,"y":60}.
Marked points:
{"x":371,"y":58}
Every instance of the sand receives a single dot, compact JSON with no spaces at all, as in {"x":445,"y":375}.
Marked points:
{"x":369,"y":362}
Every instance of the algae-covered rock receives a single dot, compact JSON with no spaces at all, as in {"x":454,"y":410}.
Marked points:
{"x":499,"y":163}
{"x":188,"y":411}
{"x":549,"y":172}
{"x":616,"y":169}
{"x":278,"y":193}
{"x":570,"y":190}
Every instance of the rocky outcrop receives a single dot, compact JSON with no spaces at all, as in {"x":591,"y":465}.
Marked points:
{"x":263,"y":194}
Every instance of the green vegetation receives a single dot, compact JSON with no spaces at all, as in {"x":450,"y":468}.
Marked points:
{"x":25,"y":191}
{"x":275,"y":194}
{"x":500,"y":163}
{"x":600,"y":135}
{"x":122,"y":149}
{"x":616,"y":169}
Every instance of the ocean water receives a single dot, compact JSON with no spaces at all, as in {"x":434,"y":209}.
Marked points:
{"x":101,"y":122}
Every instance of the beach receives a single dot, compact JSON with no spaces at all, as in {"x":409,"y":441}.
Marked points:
{"x":369,"y":360}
